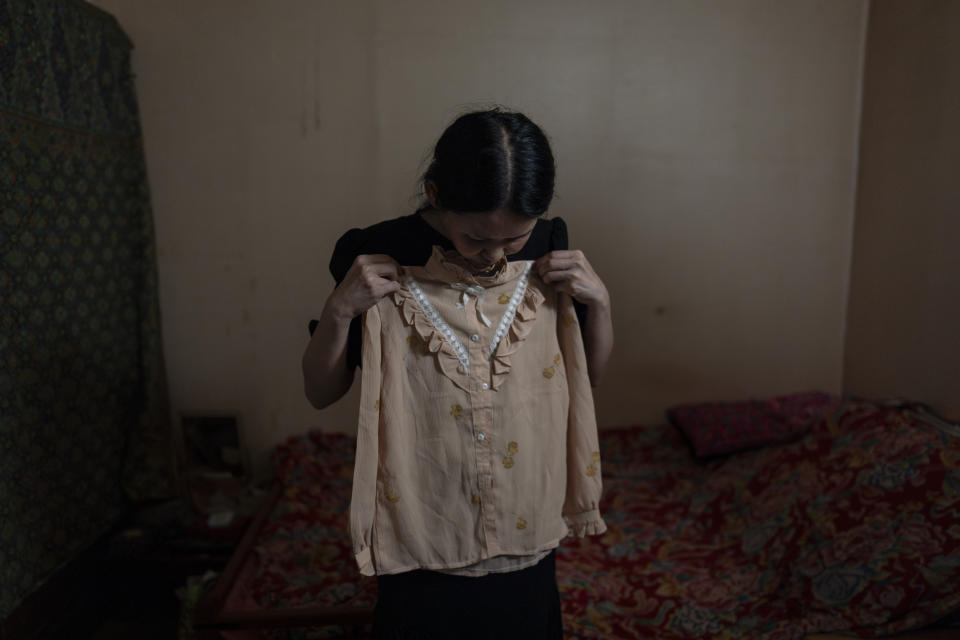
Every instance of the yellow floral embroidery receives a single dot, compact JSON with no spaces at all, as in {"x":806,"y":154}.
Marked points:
{"x":591,"y":470}
{"x":596,"y":456}
{"x":512,"y":448}
{"x":456,"y":411}
{"x":503,"y":299}
{"x":376,"y":405}
{"x":475,"y":499}
{"x":568,"y":320}
{"x":521,"y":523}
{"x":392,"y":497}
{"x":552,"y":370}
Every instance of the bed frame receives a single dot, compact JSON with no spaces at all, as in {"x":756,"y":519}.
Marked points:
{"x":212,"y":614}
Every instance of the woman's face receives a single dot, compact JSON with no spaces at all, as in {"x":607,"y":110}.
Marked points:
{"x":484,"y":238}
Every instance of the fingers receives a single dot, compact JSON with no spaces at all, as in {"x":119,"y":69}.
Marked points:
{"x":379,"y":280}
{"x":385,"y":289}
{"x":560,"y":260}
{"x":560,"y":269}
{"x":385,"y":270}
{"x":557,"y":264}
{"x":569,"y":271}
{"x":561,"y":253}
{"x":564,"y":281}
{"x":370,"y":278}
{"x":560,"y":275}
{"x":372,"y":267}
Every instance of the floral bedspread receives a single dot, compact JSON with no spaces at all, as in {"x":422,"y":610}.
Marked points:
{"x":853,"y":528}
{"x":304,"y":551}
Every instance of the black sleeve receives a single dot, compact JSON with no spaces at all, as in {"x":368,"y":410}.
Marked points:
{"x":346,"y":250}
{"x":560,"y":241}
{"x":348,"y":247}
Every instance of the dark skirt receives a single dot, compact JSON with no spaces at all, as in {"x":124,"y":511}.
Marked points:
{"x":422,"y":605}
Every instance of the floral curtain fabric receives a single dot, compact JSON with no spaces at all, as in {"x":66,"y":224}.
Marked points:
{"x":84,"y":413}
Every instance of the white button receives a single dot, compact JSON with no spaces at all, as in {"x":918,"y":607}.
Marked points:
{"x":484,"y":386}
{"x":480,"y":436}
{"x":474,"y":337}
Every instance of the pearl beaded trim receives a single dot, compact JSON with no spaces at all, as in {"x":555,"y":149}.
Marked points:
{"x":441,"y":325}
{"x":511,"y":311}
{"x":438,"y":322}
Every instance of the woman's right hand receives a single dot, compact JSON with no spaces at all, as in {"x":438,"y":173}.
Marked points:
{"x":370,"y":278}
{"x":326,"y":376}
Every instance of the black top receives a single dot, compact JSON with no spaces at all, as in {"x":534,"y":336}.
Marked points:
{"x":409,"y":240}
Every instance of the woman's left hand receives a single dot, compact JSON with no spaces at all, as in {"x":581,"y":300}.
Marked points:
{"x":571,"y":272}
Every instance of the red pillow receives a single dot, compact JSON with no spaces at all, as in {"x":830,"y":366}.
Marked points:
{"x":719,"y":428}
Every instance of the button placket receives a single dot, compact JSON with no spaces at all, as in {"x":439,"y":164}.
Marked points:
{"x":482,"y":413}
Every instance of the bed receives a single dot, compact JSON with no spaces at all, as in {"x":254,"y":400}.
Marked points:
{"x":848,"y":524}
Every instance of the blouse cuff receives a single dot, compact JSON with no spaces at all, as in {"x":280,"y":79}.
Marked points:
{"x":365,"y":561}
{"x":587,"y":523}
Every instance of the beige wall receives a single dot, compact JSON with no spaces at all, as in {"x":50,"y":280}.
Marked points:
{"x":903,"y":332}
{"x":706,"y":163}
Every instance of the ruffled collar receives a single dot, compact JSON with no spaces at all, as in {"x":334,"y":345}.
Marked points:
{"x":450,"y":266}
{"x":453,"y":358}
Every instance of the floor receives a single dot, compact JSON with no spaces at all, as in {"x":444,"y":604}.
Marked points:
{"x":144,"y":607}
{"x":134,"y":594}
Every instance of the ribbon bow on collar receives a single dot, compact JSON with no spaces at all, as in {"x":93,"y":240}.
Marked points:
{"x":472,"y":290}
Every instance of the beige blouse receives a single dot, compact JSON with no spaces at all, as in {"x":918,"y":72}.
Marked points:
{"x":477,"y":437}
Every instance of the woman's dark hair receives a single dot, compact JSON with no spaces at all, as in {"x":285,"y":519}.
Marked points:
{"x":493,"y":159}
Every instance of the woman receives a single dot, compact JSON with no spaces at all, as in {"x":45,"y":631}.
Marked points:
{"x":490,"y":181}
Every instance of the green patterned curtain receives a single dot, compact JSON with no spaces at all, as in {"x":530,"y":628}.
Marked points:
{"x":84,"y":412}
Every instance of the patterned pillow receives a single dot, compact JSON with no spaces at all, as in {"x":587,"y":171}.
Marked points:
{"x":720,"y":428}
